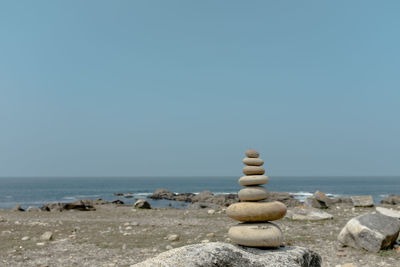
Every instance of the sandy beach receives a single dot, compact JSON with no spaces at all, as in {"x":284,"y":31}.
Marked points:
{"x":117,"y":235}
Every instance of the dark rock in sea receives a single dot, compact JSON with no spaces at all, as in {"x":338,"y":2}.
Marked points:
{"x":186,"y":197}
{"x":118,"y":202}
{"x":77,"y":205}
{"x":205,"y":196}
{"x":118,"y":194}
{"x":392,"y":200}
{"x":371,"y":232}
{"x":142,"y":204}
{"x":163,"y":194}
{"x":318,"y":200}
{"x":128,"y":195}
{"x":17,"y":208}
{"x":224,"y":254}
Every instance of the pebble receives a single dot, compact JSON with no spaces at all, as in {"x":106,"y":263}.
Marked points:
{"x":210,"y":235}
{"x":169,"y":247}
{"x":205,"y":241}
{"x":253,"y":180}
{"x":211,"y":212}
{"x":2,"y":219}
{"x":253,"y":193}
{"x":253,"y":161}
{"x":256,"y":234}
{"x":256,"y":211}
{"x":25,"y":238}
{"x":253,"y":170}
{"x":173,"y":237}
{"x":47,"y":236}
{"x":251,"y":153}
{"x":41,"y":244}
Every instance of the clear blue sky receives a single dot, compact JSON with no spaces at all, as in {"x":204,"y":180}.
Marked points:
{"x":132,"y":88}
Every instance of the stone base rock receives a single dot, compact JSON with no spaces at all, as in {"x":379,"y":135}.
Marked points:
{"x":362,"y":201}
{"x":224,"y":254}
{"x":256,"y":234}
{"x":304,"y":213}
{"x":372,"y":232}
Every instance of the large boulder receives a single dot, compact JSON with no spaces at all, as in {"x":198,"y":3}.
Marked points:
{"x":82,"y":205}
{"x":392,"y":200}
{"x":372,"y":232}
{"x":224,"y":254}
{"x":305,"y":213}
{"x":362,"y":201}
{"x":318,"y":200}
{"x":204,"y":196}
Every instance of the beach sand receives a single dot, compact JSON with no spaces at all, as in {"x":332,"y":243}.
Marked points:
{"x":119,"y":236}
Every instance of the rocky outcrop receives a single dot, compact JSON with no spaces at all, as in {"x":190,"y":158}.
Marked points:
{"x":283,"y":197}
{"x":372,"y":232}
{"x":305,"y":213}
{"x":223,"y":254}
{"x":392,"y":200}
{"x":17,"y":208}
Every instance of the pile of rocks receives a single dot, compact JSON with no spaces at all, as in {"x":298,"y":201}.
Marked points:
{"x":256,"y":229}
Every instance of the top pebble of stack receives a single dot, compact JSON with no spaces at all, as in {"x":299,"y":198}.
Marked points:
{"x":251,"y":153}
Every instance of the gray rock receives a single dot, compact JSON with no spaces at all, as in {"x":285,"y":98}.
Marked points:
{"x":388,"y":212}
{"x":17,"y":208}
{"x":340,"y":200}
{"x":372,"y":232}
{"x":142,"y":204}
{"x":283,"y":197}
{"x":305,"y":213}
{"x":318,"y":200}
{"x":46,"y":236}
{"x":224,"y":254}
{"x":392,"y":200}
{"x":163,"y":194}
{"x":362,"y":201}
{"x":30,"y":208}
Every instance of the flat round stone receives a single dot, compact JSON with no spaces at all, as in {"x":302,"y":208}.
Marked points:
{"x":256,"y":211}
{"x":253,"y":170}
{"x":251,"y":153}
{"x":253,"y":193}
{"x":253,"y":180}
{"x":253,"y":161}
{"x":256,"y":234}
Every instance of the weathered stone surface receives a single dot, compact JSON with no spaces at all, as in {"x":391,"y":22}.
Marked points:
{"x":304,"y":213}
{"x":251,"y":153}
{"x":256,"y":211}
{"x":142,"y":204}
{"x":392,"y":200}
{"x":47,"y":236}
{"x":253,"y":180}
{"x":253,"y":170}
{"x":318,"y":200}
{"x":77,"y":205}
{"x":362,"y":201}
{"x":256,"y":234}
{"x":388,"y":212}
{"x":253,"y":193}
{"x":372,"y":232}
{"x":253,"y":161}
{"x":223,"y":254}
{"x":340,"y":200}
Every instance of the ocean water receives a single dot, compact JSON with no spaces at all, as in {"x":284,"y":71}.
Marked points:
{"x":37,"y":191}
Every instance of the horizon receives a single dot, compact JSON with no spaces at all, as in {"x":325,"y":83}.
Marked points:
{"x":168,"y":89}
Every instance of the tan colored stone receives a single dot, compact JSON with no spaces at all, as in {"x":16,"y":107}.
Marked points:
{"x":253,"y":193}
{"x":256,"y":234}
{"x":253,"y":170}
{"x":253,"y":180}
{"x":253,"y":161}
{"x":256,"y":211}
{"x":251,"y":153}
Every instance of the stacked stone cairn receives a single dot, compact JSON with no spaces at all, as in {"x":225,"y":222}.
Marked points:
{"x":253,"y":211}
